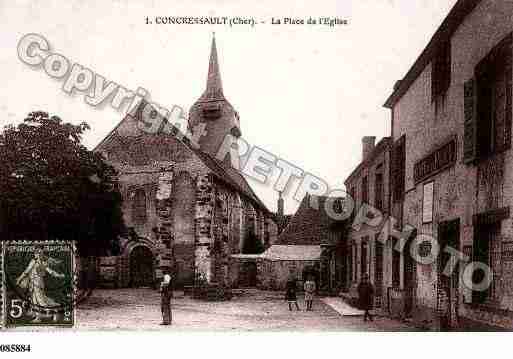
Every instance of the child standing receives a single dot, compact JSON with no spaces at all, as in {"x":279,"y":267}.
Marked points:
{"x":309,"y":288}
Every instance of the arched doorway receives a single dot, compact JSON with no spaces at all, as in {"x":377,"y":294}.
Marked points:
{"x":141,"y":267}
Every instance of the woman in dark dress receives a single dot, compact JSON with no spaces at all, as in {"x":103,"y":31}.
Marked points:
{"x":166,"y":292}
{"x":290,"y":295}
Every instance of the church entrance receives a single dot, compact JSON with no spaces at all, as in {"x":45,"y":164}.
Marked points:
{"x":141,"y":267}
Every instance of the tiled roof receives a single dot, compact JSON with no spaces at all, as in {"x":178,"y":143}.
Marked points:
{"x":310,"y":225}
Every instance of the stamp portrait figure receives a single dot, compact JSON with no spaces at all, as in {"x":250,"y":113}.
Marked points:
{"x":32,"y":280}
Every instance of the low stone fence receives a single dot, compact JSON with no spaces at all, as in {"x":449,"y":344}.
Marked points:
{"x":102,"y":272}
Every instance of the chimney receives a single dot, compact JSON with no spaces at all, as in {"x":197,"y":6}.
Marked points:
{"x":280,"y":205}
{"x":367,"y":146}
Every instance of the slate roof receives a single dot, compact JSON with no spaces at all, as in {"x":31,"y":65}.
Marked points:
{"x":310,"y":225}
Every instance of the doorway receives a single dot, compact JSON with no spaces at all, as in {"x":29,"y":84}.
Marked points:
{"x":248,"y":274}
{"x":447,"y":293}
{"x":141,"y":267}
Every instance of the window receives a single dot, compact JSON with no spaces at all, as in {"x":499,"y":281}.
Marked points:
{"x":365,"y":190}
{"x":364,"y":257}
{"x":441,"y":71}
{"x":378,"y":188}
{"x":139,"y":206}
{"x":353,"y":262}
{"x":353,"y":196}
{"x":486,"y":249}
{"x":350,"y":263}
{"x":396,"y":264}
{"x":378,"y":265}
{"x":428,"y":202}
{"x":487,"y":104}
{"x":398,"y":168}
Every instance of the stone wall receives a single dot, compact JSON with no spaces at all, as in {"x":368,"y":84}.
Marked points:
{"x":273,"y":275}
{"x":205,"y":202}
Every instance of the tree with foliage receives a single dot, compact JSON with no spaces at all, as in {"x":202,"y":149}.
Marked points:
{"x":53,"y":187}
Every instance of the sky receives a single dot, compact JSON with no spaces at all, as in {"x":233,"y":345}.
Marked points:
{"x":306,"y":94}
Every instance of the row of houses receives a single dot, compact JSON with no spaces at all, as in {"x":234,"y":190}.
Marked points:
{"x":446,"y":173}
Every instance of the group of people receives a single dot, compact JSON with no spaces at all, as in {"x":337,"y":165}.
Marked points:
{"x":365,"y":294}
{"x":291,"y":295}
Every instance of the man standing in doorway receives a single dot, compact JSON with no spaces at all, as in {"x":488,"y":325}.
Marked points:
{"x":166,"y":292}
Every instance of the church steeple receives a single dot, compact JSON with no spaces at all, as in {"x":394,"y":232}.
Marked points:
{"x":214,"y":90}
{"x":213,"y":110}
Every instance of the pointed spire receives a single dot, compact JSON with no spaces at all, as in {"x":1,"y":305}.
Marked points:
{"x":214,"y":88}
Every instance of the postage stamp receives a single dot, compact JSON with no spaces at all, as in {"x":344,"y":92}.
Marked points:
{"x":38,"y":283}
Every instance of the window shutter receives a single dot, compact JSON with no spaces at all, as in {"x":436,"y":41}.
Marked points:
{"x":398,"y":168}
{"x":470,"y":123}
{"x":508,"y":122}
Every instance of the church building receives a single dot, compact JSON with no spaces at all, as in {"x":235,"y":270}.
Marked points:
{"x":186,"y":210}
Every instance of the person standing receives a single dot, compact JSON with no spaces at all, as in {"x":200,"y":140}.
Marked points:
{"x":290,"y":294}
{"x":366,"y":296}
{"x":166,"y":292}
{"x":309,"y":288}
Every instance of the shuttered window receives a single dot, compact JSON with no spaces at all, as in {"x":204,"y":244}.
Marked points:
{"x":396,"y":264}
{"x":441,"y":71}
{"x":486,"y":249}
{"x":487,"y":104}
{"x":365,"y":190}
{"x":378,"y":273}
{"x":364,"y":257}
{"x":398,"y":168}
{"x":470,"y":124}
{"x":378,"y":188}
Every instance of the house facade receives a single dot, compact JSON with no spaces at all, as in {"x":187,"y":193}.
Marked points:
{"x":452,"y":172}
{"x":312,"y":243}
{"x":368,"y":186}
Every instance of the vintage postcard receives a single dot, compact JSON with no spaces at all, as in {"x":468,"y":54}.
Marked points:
{"x":232,"y":166}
